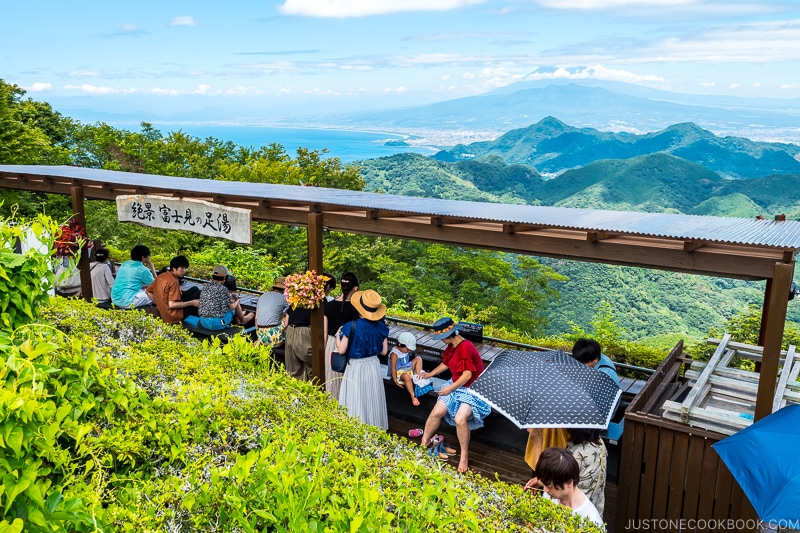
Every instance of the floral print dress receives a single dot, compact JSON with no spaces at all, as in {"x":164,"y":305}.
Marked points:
{"x":592,"y":459}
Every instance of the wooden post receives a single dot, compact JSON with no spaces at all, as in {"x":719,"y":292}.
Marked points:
{"x":83,"y":262}
{"x":778,"y":299}
{"x":764,"y":315}
{"x":317,"y":315}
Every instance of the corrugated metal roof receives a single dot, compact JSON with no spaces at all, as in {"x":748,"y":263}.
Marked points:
{"x":785,"y":234}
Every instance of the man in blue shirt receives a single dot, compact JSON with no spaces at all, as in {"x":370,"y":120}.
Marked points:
{"x":588,"y":352}
{"x":132,"y":278}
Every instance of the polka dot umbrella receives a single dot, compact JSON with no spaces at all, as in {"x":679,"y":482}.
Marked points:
{"x":547,"y":390}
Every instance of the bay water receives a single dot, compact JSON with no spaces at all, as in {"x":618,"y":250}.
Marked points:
{"x":347,"y":145}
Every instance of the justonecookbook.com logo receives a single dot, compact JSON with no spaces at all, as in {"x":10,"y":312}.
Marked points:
{"x":711,"y":524}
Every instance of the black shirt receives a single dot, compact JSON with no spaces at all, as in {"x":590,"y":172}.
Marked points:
{"x":339,"y":313}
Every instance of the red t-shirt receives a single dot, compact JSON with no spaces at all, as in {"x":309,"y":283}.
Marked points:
{"x":462,"y":358}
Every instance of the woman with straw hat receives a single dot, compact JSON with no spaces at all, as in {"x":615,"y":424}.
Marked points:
{"x":362,"y":391}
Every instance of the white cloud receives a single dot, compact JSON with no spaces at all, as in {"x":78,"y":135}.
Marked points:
{"x":167,"y":92}
{"x":735,"y":85}
{"x":708,"y":84}
{"x":469,"y":76}
{"x":365,"y":8}
{"x":184,"y":20}
{"x":203,"y":89}
{"x":40,"y":87}
{"x":83,"y":74}
{"x":459,"y":36}
{"x":598,"y":72}
{"x":130,"y":28}
{"x":664,"y":9}
{"x":243,"y":91}
{"x":316,"y":91}
{"x":356,"y":67}
{"x":758,"y":42}
{"x":94,"y":89}
{"x":610,"y":4}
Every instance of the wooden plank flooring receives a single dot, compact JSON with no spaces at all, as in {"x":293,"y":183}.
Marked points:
{"x":489,"y":461}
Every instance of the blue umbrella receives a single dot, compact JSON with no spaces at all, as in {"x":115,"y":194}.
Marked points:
{"x":763,"y":460}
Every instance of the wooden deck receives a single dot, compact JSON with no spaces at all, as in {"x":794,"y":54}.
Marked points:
{"x":490,"y":461}
{"x":428,"y":346}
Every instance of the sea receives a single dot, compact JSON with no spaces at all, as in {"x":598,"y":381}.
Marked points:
{"x":347,"y":145}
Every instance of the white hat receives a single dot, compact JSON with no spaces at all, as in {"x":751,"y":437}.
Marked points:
{"x":408,"y":340}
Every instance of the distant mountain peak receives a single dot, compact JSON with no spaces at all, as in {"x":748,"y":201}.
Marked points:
{"x":552,"y":146}
{"x":689,"y":128}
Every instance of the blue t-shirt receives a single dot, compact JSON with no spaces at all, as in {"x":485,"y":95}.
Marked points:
{"x":132,"y":276}
{"x":367,"y":339}
{"x":606,"y":366}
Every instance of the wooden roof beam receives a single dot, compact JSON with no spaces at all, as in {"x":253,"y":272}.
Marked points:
{"x":375,"y":214}
{"x":438,"y":220}
{"x":692,"y":245}
{"x":623,"y":250}
{"x":520,"y":228}
{"x":594,"y":236}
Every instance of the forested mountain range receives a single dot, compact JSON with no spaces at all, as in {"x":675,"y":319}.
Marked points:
{"x":656,"y":183}
{"x":647,"y":303}
{"x":551,"y":146}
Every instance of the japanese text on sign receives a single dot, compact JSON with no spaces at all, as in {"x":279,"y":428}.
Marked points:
{"x":197,"y":216}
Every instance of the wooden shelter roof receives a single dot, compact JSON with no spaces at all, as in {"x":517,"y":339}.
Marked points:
{"x":718,"y":246}
{"x":722,"y":246}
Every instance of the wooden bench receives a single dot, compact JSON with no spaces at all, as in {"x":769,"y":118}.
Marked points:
{"x":224,"y":334}
{"x":149,"y":309}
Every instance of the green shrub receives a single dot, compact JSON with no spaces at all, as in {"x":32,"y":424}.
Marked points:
{"x":25,"y":279}
{"x":199,"y":436}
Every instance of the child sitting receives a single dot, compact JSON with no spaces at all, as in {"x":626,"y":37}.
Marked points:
{"x":401,"y":367}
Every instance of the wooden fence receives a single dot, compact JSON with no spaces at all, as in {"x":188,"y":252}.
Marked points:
{"x":670,"y":477}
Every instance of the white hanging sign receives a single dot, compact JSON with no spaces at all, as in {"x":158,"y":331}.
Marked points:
{"x":197,"y":216}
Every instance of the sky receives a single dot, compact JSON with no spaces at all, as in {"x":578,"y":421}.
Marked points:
{"x":310,"y":56}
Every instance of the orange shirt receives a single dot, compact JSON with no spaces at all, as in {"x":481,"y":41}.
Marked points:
{"x":166,"y":288}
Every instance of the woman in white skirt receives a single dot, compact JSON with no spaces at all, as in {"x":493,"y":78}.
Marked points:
{"x":362,"y":391}
{"x":338,"y":312}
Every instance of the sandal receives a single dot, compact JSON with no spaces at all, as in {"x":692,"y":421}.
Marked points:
{"x":436,"y":451}
{"x":449,"y":450}
{"x":415,"y":433}
{"x":439,"y":439}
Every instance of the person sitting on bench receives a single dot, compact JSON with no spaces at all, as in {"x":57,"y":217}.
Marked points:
{"x":166,"y":293}
{"x":132,"y":277}
{"x":102,"y":278}
{"x":218,"y":308}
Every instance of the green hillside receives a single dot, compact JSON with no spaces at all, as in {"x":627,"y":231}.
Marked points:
{"x":552,"y":147}
{"x":655,"y":183}
{"x":772,"y":194}
{"x":731,"y":205}
{"x":647,"y":303}
{"x":488,"y":180}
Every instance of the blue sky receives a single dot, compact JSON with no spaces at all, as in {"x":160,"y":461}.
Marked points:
{"x":310,"y":56}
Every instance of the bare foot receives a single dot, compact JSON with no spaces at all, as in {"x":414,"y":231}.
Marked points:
{"x":463,"y":465}
{"x":415,"y":402}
